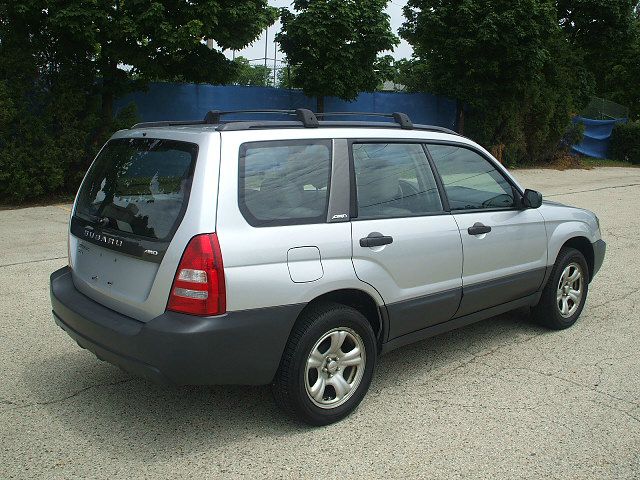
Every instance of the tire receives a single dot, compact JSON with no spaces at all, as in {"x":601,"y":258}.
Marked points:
{"x":317,"y":395}
{"x":560,"y":292}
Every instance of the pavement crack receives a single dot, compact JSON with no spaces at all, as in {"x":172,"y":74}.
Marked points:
{"x":572,"y":382}
{"x":593,"y":190}
{"x":622,"y":297}
{"x":32,"y":261}
{"x":611,"y":407}
{"x":72,"y":395}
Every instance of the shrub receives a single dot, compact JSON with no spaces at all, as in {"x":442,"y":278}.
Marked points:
{"x":47,"y":145}
{"x":625,"y":142}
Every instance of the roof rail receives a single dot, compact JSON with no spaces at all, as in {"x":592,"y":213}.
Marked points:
{"x":303,"y":117}
{"x":213,"y":117}
{"x":167,"y":123}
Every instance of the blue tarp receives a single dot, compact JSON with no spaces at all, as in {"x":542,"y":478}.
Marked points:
{"x":187,"y":101}
{"x":595,"y":142}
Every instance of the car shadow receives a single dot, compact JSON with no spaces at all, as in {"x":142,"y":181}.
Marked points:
{"x":137,"y":418}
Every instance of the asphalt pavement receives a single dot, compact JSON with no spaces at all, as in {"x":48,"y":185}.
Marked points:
{"x":503,"y":398}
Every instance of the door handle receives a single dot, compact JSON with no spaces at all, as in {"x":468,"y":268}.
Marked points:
{"x":375,"y":239}
{"x":478,"y":229}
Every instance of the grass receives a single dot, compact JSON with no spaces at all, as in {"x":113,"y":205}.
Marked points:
{"x":605,"y":162}
{"x":567,"y":162}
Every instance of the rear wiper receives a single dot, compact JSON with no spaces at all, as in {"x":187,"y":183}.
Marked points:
{"x":102,"y":221}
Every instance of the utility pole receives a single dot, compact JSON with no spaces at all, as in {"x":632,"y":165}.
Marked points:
{"x":275,"y":59}
{"x":266,"y":52}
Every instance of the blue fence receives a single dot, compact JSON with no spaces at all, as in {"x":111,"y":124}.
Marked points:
{"x":595,"y":142}
{"x":186,"y":101}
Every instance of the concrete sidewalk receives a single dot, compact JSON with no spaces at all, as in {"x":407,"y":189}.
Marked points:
{"x":503,"y":398}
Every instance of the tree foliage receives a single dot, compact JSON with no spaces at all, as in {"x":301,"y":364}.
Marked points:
{"x":155,"y":39}
{"x":335,"y":44}
{"x":625,"y":142}
{"x":607,"y":35}
{"x":508,"y":61}
{"x":62,"y":64}
{"x":251,"y":75}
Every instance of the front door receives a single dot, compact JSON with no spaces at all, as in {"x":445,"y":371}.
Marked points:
{"x":404,"y":244}
{"x":505,"y":246}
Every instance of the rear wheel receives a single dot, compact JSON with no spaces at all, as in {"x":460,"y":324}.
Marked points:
{"x":564,"y":295}
{"x":327,"y":365}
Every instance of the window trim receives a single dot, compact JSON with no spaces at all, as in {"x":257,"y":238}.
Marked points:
{"x":246,"y":213}
{"x":491,"y":161}
{"x":353,"y":210}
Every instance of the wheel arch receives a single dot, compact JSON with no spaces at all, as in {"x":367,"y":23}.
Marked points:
{"x":583,"y":245}
{"x":359,"y":300}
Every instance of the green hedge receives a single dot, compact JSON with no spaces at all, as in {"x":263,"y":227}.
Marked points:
{"x":47,"y":143}
{"x":625,"y":142}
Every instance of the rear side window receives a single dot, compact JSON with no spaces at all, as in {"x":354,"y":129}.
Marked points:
{"x":470,"y":180}
{"x":139,"y":186}
{"x":284,"y":182}
{"x":394,"y":180}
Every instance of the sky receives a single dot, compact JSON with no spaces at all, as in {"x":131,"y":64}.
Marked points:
{"x":256,"y":50}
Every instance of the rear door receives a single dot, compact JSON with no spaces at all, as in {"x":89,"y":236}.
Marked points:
{"x":127,"y":213}
{"x":505,"y":246}
{"x":404,"y":242}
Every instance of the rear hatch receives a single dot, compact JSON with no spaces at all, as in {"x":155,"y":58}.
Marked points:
{"x":127,"y":211}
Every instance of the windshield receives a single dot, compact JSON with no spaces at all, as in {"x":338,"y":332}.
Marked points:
{"x":138,"y":186}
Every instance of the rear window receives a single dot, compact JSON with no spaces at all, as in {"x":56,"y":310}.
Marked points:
{"x":139,"y":186}
{"x":284,"y":182}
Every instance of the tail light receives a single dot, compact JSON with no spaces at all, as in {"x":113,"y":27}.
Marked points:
{"x":198,"y":287}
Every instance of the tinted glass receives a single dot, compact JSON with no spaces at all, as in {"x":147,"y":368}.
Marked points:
{"x":394,"y":180}
{"x":470,"y":180}
{"x":138,"y":186}
{"x":284,"y":182}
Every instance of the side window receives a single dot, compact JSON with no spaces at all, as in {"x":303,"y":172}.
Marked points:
{"x":284,"y":182}
{"x":470,"y":181}
{"x":394,"y":180}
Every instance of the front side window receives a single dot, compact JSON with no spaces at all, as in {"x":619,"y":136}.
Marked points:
{"x":471,"y":181}
{"x":284,"y":182}
{"x":394,"y":180}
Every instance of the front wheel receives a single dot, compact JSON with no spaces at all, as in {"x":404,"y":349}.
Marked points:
{"x":564,"y":296}
{"x":327,"y":365}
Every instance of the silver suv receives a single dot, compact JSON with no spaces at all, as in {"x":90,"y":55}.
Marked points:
{"x":295,"y":253}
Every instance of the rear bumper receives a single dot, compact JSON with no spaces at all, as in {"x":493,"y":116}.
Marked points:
{"x":599,"y":249}
{"x":236,"y":348}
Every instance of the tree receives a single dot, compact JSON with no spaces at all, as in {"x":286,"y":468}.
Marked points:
{"x":286,"y":77}
{"x":508,"y":61}
{"x":334,"y":45}
{"x":253,"y":75}
{"x":607,"y":33}
{"x":63,"y":63}
{"x":149,"y":40}
{"x":622,"y":77}
{"x":410,"y":73}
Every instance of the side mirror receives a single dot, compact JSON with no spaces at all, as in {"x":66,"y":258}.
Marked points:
{"x":531,"y":199}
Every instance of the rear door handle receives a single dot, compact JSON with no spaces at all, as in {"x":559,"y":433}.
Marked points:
{"x":478,"y":229}
{"x":375,"y":239}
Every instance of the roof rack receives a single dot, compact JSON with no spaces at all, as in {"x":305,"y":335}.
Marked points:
{"x":304,"y":118}
{"x":400,"y":118}
{"x":214,"y":117}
